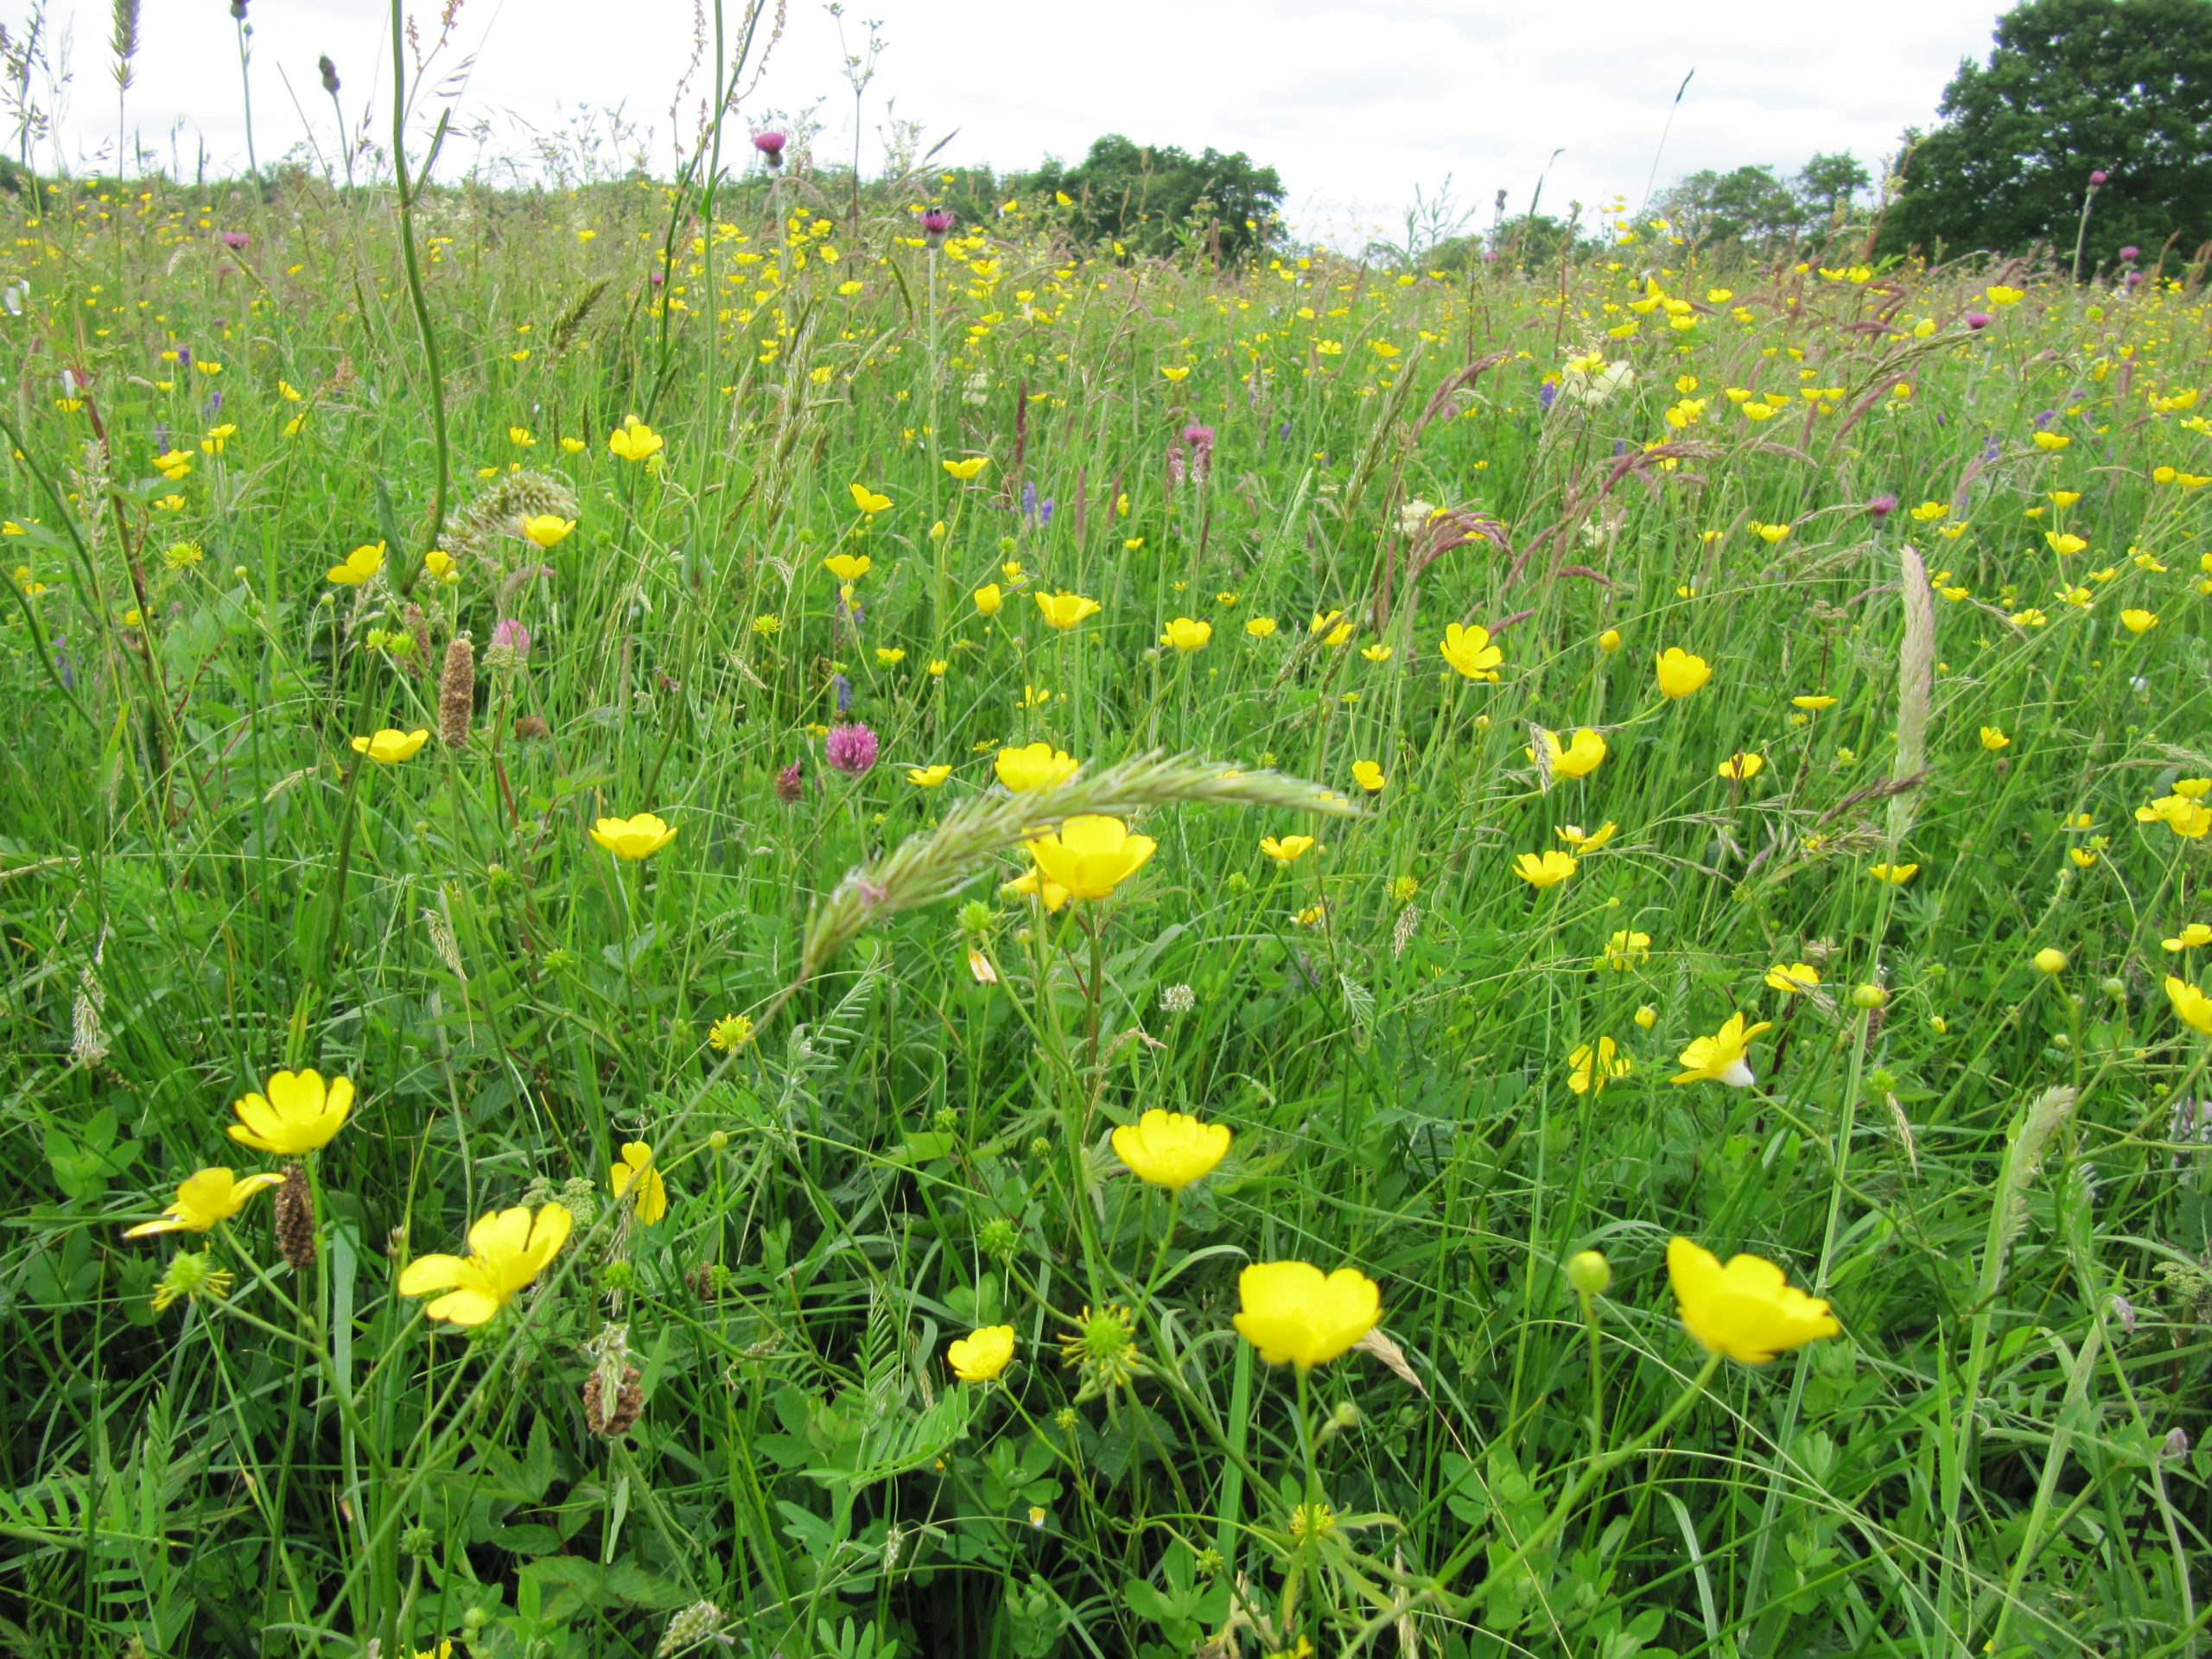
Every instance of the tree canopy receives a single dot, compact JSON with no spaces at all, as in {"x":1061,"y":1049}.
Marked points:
{"x":2072,"y":87}
{"x":1154,"y":199}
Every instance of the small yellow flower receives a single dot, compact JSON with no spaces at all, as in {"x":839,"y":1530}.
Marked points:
{"x":1259,"y":627}
{"x":1368,"y":775}
{"x":547,"y":530}
{"x":1646,"y":1017}
{"x":1815,"y":703}
{"x":2050,"y":960}
{"x":849,"y":567}
{"x":633,"y":838}
{"x":928,"y":777}
{"x":1994,"y":737}
{"x":1742,"y":767}
{"x":1625,"y":950}
{"x":298,"y":1114}
{"x":1895,"y":875}
{"x":1587,"y":842}
{"x":890,"y":655}
{"x":1592,"y":1068}
{"x":1470,"y":651}
{"x":1609,"y":641}
{"x":520,"y":437}
{"x":359,"y":565}
{"x":868,"y":500}
{"x":2137,"y":620}
{"x":1174,"y":372}
{"x":1545,"y":869}
{"x":1038,"y":765}
{"x":2194,"y":1007}
{"x":636,"y":1178}
{"x":507,"y":1248}
{"x":212,"y":1196}
{"x":1092,"y":854}
{"x":1577,"y":758}
{"x":1722,"y":1058}
{"x":1186,"y":635}
{"x":982,"y":1354}
{"x":988,"y":599}
{"x":1170,"y":1149}
{"x":389,"y":747}
{"x":1296,"y":1315}
{"x":1376,"y":653}
{"x":2052,"y":441}
{"x":964,"y":470}
{"x":1287,"y":851}
{"x":1747,"y":1310}
{"x":1680,"y":673}
{"x":1065,"y":610}
{"x":1793,"y":977}
{"x":729,"y":1033}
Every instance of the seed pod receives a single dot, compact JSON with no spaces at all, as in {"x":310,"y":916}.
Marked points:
{"x":613,"y":1420}
{"x":457,"y":692}
{"x":329,"y":73}
{"x":296,"y":1220}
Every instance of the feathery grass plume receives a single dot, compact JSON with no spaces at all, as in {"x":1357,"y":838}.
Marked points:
{"x":565,"y":325}
{"x":296,"y":1220}
{"x":474,"y":530}
{"x":2030,"y":1140}
{"x":1916,"y":687}
{"x":457,"y":691}
{"x":930,"y":867}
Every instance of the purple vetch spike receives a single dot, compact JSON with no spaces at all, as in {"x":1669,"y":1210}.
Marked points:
{"x":843,"y":688}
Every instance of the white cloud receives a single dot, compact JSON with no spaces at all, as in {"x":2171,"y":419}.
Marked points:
{"x":1354,"y":102}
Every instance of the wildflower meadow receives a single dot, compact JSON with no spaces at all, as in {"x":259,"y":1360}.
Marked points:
{"x":742,"y":916}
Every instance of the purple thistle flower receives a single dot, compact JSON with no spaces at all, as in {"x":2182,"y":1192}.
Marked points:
{"x":2098,"y":176}
{"x":2133,"y":277}
{"x":771,"y":146}
{"x":1198,"y":437}
{"x":2131,"y":253}
{"x":791,"y":783}
{"x":1881,"y":507}
{"x":1976,"y":319}
{"x":851,"y":749}
{"x":235,"y":239}
{"x":935,"y":224}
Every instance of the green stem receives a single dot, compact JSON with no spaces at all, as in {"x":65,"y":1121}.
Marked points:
{"x":422,"y":305}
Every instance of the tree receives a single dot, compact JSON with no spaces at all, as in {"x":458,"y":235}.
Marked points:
{"x":1153,"y":199}
{"x":2073,"y":87}
{"x":1749,"y":205}
{"x":1829,"y":184}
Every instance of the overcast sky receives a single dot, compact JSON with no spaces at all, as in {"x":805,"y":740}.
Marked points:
{"x":1355,"y":103}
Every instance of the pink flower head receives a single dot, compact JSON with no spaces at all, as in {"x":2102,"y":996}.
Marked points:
{"x":771,"y":146}
{"x":2098,"y":176}
{"x":935,"y":222}
{"x":791,"y":783}
{"x":1881,"y":507}
{"x":235,"y":239}
{"x":511,"y":633}
{"x":851,"y":749}
{"x":1198,"y":437}
{"x":1976,"y":319}
{"x":2131,"y":253}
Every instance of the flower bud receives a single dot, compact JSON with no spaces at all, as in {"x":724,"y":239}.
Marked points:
{"x":2051,"y":960}
{"x":1868,"y":996}
{"x":1589,"y":1273}
{"x":1646,"y":1017}
{"x":1609,"y":639}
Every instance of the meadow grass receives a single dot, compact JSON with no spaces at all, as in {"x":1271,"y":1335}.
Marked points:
{"x":877,"y":1087}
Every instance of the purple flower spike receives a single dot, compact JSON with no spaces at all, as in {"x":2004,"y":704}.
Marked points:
{"x":851,"y":749}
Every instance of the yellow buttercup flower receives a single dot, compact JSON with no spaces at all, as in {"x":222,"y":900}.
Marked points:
{"x":1170,"y":1149}
{"x":1470,"y":651}
{"x":1092,"y":854}
{"x":1680,"y":673}
{"x":298,"y":1114}
{"x":1609,"y":641}
{"x":636,"y":1179}
{"x":928,"y":777}
{"x":1288,"y":849}
{"x":982,"y":1354}
{"x":1586,"y":840}
{"x":1747,"y":1310}
{"x":634,"y":440}
{"x":1792,"y":977}
{"x":507,"y":1248}
{"x":988,"y":599}
{"x":2137,"y":620}
{"x":1033,"y":884}
{"x":1545,"y":869}
{"x":546,"y":529}
{"x":1368,"y":775}
{"x":1895,"y":875}
{"x":849,"y":567}
{"x":1038,"y":765}
{"x":633,"y":838}
{"x":1295,"y":1314}
{"x":1743,"y":768}
{"x":1065,"y":610}
{"x":964,"y":470}
{"x":1377,"y":654}
{"x":1814,"y":703}
{"x":389,"y":747}
{"x":2193,"y":936}
{"x":1259,"y":627}
{"x":1626,"y":950}
{"x":213,"y":1195}
{"x":359,"y":565}
{"x":1594,"y":1067}
{"x":2182,"y":813}
{"x":1994,"y":737}
{"x":868,"y":500}
{"x":1186,"y":635}
{"x":1721,"y":1058}
{"x":2191,"y":1004}
{"x":1578,"y":756}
